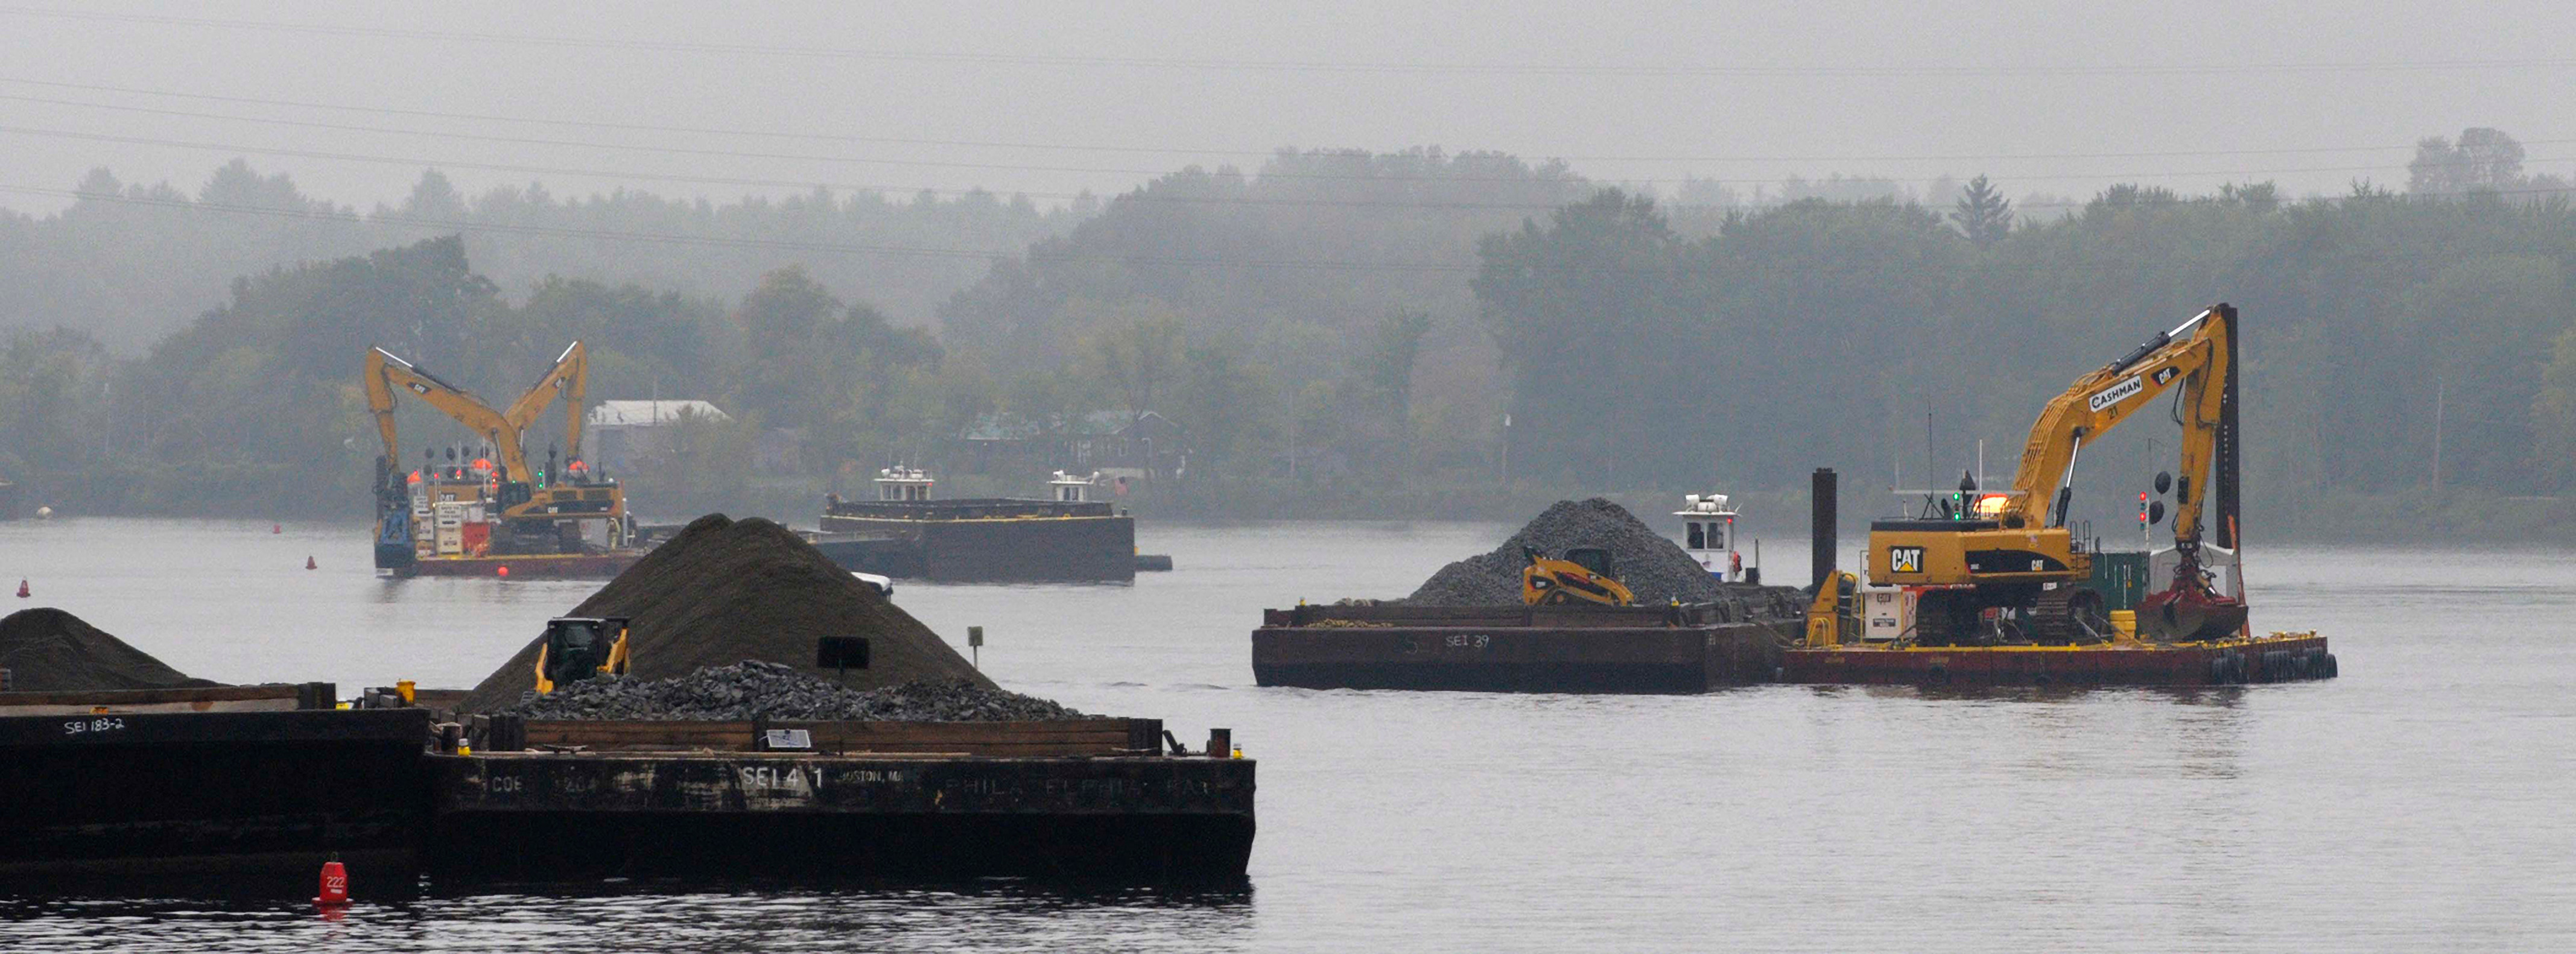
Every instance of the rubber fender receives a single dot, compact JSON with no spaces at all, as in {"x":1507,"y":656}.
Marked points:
{"x":2220,"y":671}
{"x":1936,"y":673}
{"x":2238,"y":670}
{"x":2331,"y":668}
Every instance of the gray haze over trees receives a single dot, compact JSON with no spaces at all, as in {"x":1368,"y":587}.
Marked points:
{"x":865,"y":251}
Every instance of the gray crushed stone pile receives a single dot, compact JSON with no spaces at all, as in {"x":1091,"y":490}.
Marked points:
{"x":1651,"y":564}
{"x":760,"y":690}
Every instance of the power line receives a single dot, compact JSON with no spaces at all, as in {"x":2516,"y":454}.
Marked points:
{"x":1140,"y":195}
{"x":1159,"y":150}
{"x":1035,"y":254}
{"x":2181,"y":67}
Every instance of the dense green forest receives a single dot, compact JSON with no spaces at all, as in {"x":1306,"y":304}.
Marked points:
{"x":129,"y":263}
{"x":1347,"y":334}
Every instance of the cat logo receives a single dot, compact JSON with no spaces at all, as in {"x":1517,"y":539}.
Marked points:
{"x":1905,"y":559}
{"x":2166,"y":373}
{"x":417,"y":387}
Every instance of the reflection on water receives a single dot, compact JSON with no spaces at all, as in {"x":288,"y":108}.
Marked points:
{"x":2416,"y":803}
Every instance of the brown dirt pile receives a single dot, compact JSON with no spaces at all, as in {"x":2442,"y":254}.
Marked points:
{"x":724,"y":591}
{"x":48,"y":650}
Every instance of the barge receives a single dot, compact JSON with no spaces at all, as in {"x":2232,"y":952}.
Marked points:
{"x":1093,"y":799}
{"x":1558,"y":648}
{"x":249,"y":789}
{"x":228,"y":786}
{"x":905,"y":533}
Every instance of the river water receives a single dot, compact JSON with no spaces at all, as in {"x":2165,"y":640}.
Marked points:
{"x":2420,"y":802}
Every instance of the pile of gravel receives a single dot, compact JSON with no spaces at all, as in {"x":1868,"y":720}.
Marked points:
{"x":1652,"y":566}
{"x":49,"y":650}
{"x":759,"y":690}
{"x":724,"y":591}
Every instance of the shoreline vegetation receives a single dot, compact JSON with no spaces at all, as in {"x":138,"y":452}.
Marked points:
{"x":1414,"y":335}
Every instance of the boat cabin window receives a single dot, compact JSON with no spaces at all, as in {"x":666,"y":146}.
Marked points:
{"x":1698,"y":536}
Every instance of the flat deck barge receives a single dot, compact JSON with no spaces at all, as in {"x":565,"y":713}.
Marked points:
{"x":125,"y":788}
{"x":983,"y":540}
{"x":249,"y":789}
{"x":1094,"y":799}
{"x":1564,"y":648}
{"x":2278,"y":657}
{"x":526,"y":566}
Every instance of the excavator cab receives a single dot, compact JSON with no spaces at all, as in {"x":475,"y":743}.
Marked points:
{"x":1585,"y":575}
{"x":579,"y":647}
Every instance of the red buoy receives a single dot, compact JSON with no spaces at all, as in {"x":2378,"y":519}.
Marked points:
{"x":22,"y":589}
{"x":277,"y":528}
{"x":308,"y":563}
{"x":335,"y":884}
{"x":504,"y":570}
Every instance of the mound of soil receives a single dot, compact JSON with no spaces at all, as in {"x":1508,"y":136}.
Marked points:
{"x":725,"y":591}
{"x":759,"y":690}
{"x":48,"y":650}
{"x":1653,"y":566}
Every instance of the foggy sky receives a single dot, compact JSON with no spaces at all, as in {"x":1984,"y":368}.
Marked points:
{"x":1989,"y":80}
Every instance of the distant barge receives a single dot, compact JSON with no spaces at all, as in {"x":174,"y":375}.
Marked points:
{"x":904,"y":533}
{"x":236,"y":790}
{"x":1699,"y":647}
{"x":1568,"y":648}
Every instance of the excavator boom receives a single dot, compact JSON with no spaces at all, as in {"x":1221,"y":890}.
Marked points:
{"x":386,"y":373}
{"x":569,"y":379}
{"x":2022,"y":558}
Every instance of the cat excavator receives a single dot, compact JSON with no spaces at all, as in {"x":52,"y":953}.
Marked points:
{"x":2013,"y":571}
{"x":532,"y":506}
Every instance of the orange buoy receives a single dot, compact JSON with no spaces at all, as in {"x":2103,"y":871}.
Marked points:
{"x":22,"y":589}
{"x":308,"y":563}
{"x":335,"y":884}
{"x":504,"y":570}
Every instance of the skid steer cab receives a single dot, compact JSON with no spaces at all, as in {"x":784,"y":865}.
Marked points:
{"x":579,"y":647}
{"x":1586,"y":575}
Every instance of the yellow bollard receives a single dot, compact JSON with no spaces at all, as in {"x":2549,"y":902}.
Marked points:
{"x":2125,"y":623}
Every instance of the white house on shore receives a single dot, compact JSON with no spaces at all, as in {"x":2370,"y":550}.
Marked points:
{"x":619,"y":436}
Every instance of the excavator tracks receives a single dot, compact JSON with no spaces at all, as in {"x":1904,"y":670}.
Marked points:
{"x":2068,"y":616}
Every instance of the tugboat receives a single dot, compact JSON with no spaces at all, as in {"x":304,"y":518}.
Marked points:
{"x":904,"y":532}
{"x":1708,"y":535}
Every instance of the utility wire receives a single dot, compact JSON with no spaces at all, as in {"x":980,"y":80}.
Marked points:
{"x":1140,"y":194}
{"x":940,"y":164}
{"x":1159,"y":150}
{"x":1037,"y":254}
{"x":2186,"y":66}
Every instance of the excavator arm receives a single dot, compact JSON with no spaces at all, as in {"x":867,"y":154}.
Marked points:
{"x":568,"y":379}
{"x":385,"y":374}
{"x":2198,"y":358}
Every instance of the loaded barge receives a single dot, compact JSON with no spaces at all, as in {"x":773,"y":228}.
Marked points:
{"x":905,"y":533}
{"x":490,"y":510}
{"x":251,"y":789}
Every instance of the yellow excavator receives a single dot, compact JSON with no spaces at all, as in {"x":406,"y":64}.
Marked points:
{"x":569,"y":380}
{"x":532,"y":504}
{"x":2012,"y":571}
{"x":1585,"y":575}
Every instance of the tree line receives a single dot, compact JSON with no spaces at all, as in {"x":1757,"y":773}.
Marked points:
{"x":1426,"y":333}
